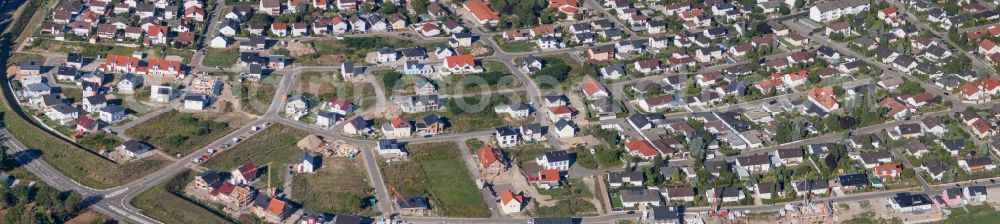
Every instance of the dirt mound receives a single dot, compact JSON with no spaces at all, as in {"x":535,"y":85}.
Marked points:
{"x":296,"y":49}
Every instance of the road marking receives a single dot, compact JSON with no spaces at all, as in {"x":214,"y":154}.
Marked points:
{"x":116,"y":193}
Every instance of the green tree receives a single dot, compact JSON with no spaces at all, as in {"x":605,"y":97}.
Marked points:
{"x":419,"y":6}
{"x":784,"y":10}
{"x":388,"y":7}
{"x":14,"y":214}
{"x":814,"y":78}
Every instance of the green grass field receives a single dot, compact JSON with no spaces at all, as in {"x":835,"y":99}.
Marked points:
{"x":167,"y":207}
{"x":175,"y":132}
{"x":221,"y":57}
{"x":518,"y":46}
{"x":977,"y":214}
{"x":275,"y":144}
{"x":436,"y":170}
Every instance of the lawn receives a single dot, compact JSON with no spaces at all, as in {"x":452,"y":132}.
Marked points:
{"x":221,"y":57}
{"x":255,"y":98}
{"x":133,"y":106}
{"x":275,"y":144}
{"x":72,"y":95}
{"x":175,"y":132}
{"x":339,"y":186}
{"x":976,"y":214}
{"x":436,"y":170}
{"x":524,"y":153}
{"x":165,"y":205}
{"x":517,"y":46}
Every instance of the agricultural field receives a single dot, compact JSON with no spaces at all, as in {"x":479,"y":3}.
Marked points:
{"x":339,"y":186}
{"x":175,"y":132}
{"x":275,"y":145}
{"x":436,"y":170}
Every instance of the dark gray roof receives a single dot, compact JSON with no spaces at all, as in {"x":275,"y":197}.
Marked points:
{"x":905,"y":199}
{"x":555,"y":156}
{"x":666,"y":213}
{"x":639,"y":195}
{"x":617,"y":176}
{"x":413,"y":202}
{"x":136,"y":146}
{"x":856,"y":179}
{"x":754,"y":160}
{"x":506,"y":131}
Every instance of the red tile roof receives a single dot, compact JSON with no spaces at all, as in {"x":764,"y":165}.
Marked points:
{"x":591,"y":87}
{"x":276,"y":206}
{"x":888,"y":170}
{"x":549,"y":175}
{"x":642,"y":147}
{"x":459,"y":61}
{"x":823,"y":96}
{"x":481,"y":10}
{"x":155,"y":30}
{"x":509,"y":196}
{"x":162,"y":64}
{"x":399,"y":123}
{"x":566,"y":6}
{"x":487,"y":155}
{"x":561,"y":110}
